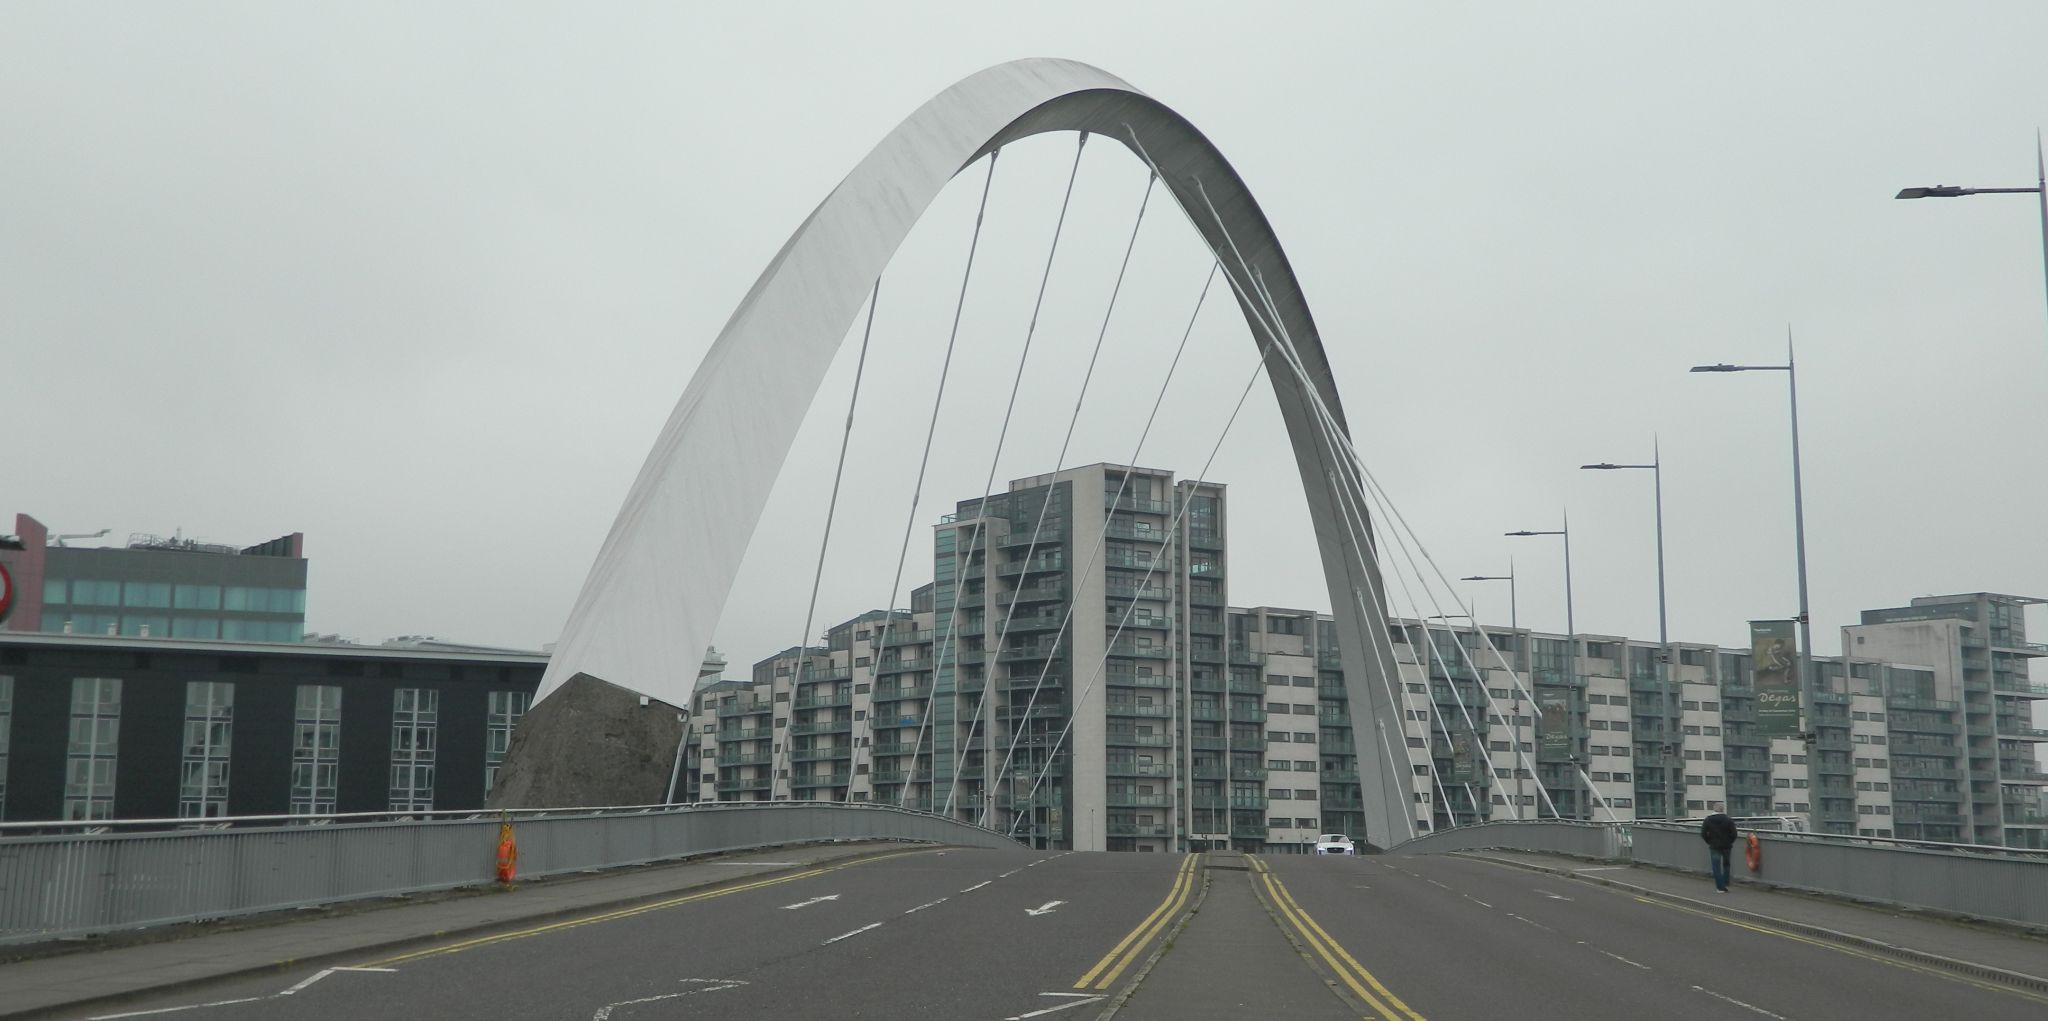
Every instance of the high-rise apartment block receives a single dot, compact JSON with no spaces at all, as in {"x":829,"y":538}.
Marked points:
{"x":1075,"y":677}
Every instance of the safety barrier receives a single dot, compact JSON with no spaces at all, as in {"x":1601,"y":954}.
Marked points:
{"x":1963,"y":880}
{"x":55,"y":885}
{"x":1557,"y":836}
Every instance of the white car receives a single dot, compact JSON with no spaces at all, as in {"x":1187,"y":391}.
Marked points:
{"x":1334,"y":843}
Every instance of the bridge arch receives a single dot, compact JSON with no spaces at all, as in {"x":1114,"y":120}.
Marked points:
{"x":647,"y":611}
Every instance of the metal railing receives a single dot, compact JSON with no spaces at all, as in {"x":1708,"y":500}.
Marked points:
{"x":68,"y":879}
{"x":1968,"y":880}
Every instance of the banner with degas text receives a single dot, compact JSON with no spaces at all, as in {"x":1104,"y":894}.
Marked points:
{"x":1773,"y":661}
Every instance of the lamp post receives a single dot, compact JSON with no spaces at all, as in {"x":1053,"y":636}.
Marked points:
{"x":1656,"y":469}
{"x":1798,"y":501}
{"x":2040,"y":189}
{"x":1514,"y":621}
{"x":1808,"y":734}
{"x":1570,"y":622}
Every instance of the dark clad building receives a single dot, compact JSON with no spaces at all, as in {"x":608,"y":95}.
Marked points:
{"x":103,"y":727}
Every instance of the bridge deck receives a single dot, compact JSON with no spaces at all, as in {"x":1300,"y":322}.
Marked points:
{"x":1016,"y":934}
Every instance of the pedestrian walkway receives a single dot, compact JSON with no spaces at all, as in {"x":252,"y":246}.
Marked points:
{"x":180,"y":956}
{"x":1232,"y":962}
{"x":2004,"y":953}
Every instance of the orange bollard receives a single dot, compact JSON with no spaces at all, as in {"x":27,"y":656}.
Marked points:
{"x":508,"y":852}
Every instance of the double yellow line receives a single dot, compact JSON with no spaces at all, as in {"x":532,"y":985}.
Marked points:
{"x":1128,"y":949}
{"x":1325,"y":946}
{"x":610,"y":916}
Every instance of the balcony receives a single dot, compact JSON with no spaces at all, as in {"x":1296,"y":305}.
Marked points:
{"x":753,"y":783}
{"x":1125,"y":799}
{"x":1242,"y":656}
{"x":742,"y":710}
{"x":1247,"y":743}
{"x":844,"y":751}
{"x":1340,"y":776}
{"x":824,"y":701}
{"x":1138,"y":740}
{"x":898,"y":694}
{"x":1138,"y":829}
{"x":1025,"y":623}
{"x":1135,"y":651}
{"x":1110,"y":501}
{"x":1035,"y":565}
{"x":2010,"y":729}
{"x":1031,"y":652}
{"x":1140,"y":680}
{"x":1136,"y":531}
{"x":825,"y":727}
{"x":1120,"y":767}
{"x":760,"y":759}
{"x":1040,"y":594}
{"x":1036,"y":712}
{"x":1021,"y":535}
{"x":1132,"y":709}
{"x":821,"y":780}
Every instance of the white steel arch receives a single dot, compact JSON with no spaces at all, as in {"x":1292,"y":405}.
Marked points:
{"x":648,"y":609}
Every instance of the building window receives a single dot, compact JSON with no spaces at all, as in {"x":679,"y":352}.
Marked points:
{"x":148,"y":593}
{"x":6,"y":720}
{"x":196,"y":597}
{"x":505,"y":710}
{"x":95,"y":740}
{"x":209,"y":723}
{"x":316,"y":749}
{"x":415,"y":714}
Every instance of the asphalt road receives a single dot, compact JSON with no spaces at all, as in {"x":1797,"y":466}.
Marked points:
{"x":1017,"y":934}
{"x":921,"y":934}
{"x":1457,"y":938}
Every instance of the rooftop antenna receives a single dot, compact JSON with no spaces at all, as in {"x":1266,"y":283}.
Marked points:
{"x":58,"y":540}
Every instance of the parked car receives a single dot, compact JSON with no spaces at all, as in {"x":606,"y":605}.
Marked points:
{"x":1334,"y":843}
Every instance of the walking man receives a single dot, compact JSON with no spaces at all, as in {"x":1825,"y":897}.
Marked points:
{"x":1719,"y":832}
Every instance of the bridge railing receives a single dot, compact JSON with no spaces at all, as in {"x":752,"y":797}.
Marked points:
{"x":1964,"y":880}
{"x":58,"y":882}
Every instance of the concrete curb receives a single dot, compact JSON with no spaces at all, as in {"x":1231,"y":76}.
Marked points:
{"x":2031,"y":983}
{"x":408,"y":942}
{"x":1130,"y":988}
{"x":1318,"y":968}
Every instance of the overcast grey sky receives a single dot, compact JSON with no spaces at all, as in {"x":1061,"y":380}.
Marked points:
{"x":423,"y":281}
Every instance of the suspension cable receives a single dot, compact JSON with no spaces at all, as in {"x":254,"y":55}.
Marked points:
{"x":924,"y":461}
{"x":947,"y":644}
{"x":831,"y":508}
{"x":1045,"y":506}
{"x":1171,"y":527}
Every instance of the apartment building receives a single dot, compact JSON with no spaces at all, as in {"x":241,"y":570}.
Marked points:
{"x":1074,"y":677}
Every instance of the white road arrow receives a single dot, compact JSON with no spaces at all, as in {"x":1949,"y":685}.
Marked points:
{"x":808,"y":903}
{"x":1043,"y":908}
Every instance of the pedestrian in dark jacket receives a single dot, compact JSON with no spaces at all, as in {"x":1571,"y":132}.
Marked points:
{"x":1719,"y":832}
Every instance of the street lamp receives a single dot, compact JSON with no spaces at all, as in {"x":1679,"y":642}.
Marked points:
{"x":1514,"y":621}
{"x":1806,"y":681}
{"x":1570,"y":622}
{"x":2040,"y":189}
{"x":1656,"y":469}
{"x":1798,"y":499}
